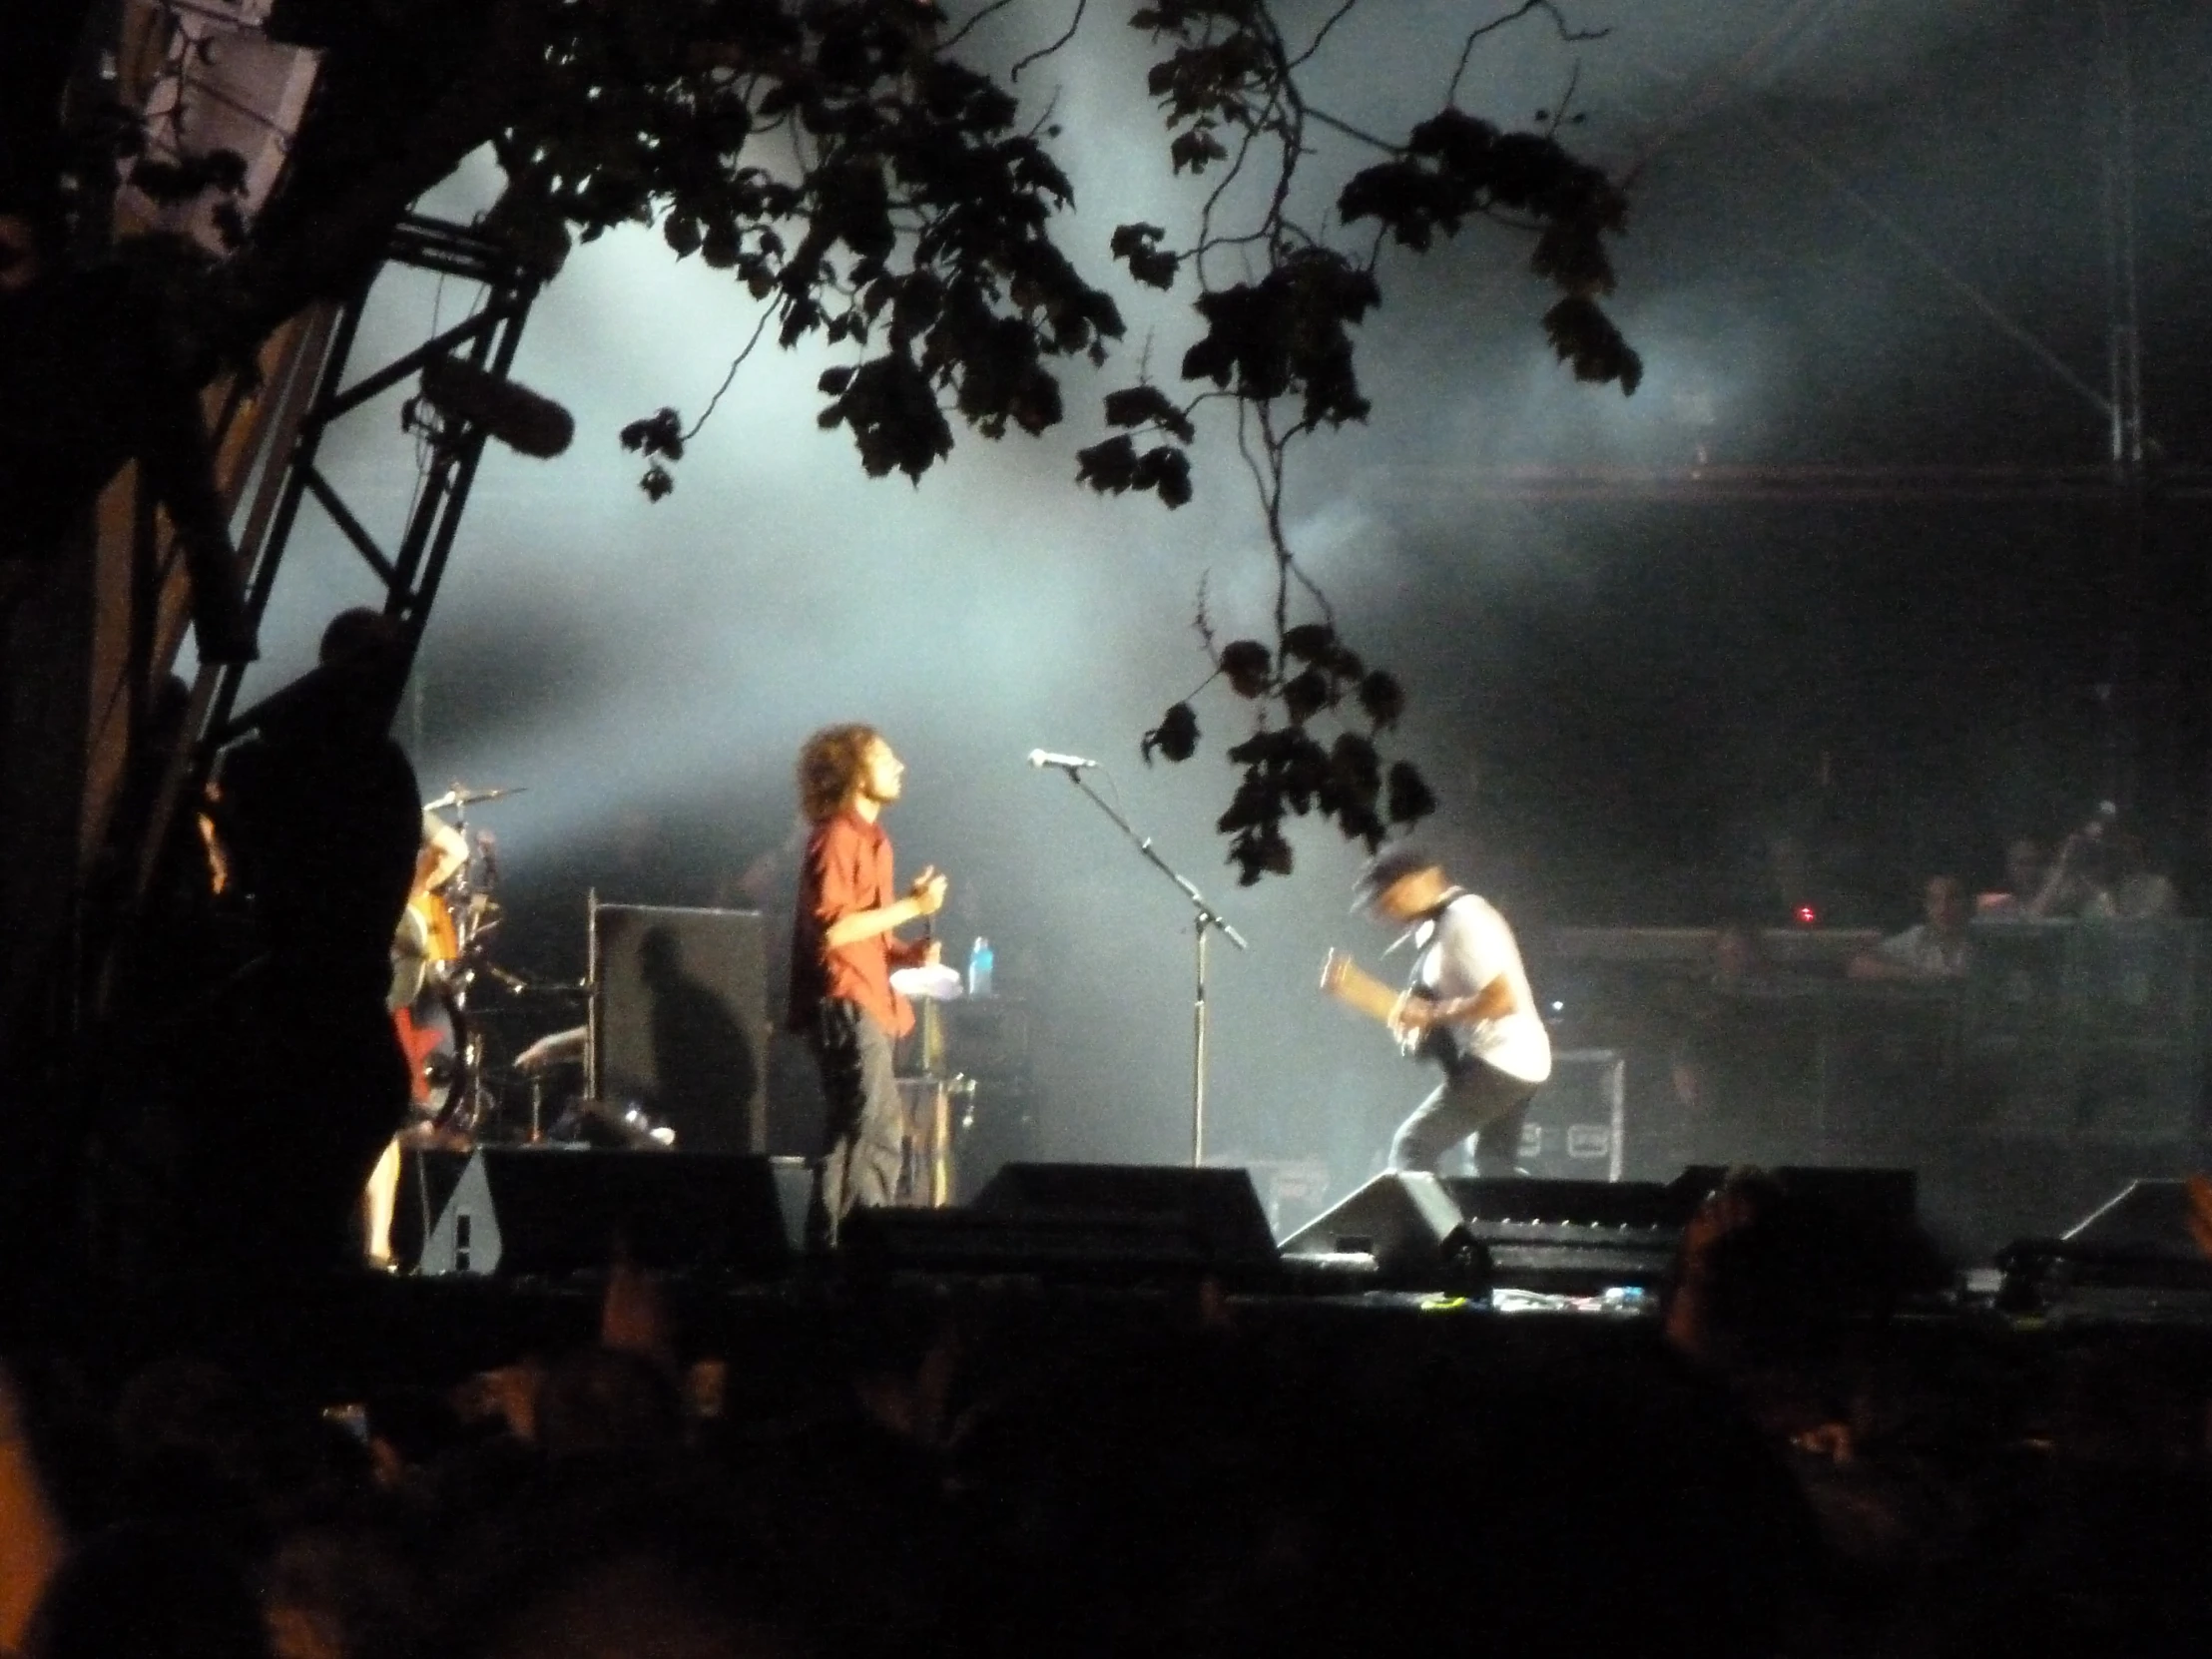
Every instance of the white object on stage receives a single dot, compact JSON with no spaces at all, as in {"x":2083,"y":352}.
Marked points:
{"x":936,"y":983}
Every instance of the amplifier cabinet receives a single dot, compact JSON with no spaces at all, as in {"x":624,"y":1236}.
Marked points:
{"x":1577,"y":1124}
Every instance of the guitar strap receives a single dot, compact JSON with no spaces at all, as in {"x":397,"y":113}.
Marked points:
{"x":1430,"y":918}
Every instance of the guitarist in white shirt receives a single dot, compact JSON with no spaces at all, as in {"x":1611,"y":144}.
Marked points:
{"x":1469,"y":1006}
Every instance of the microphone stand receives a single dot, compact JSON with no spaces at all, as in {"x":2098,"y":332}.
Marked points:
{"x":1205,"y":919}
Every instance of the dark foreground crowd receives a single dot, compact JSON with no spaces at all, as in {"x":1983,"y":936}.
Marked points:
{"x":1792,"y":1461}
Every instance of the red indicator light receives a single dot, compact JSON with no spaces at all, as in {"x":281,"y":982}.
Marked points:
{"x":1806,"y":916}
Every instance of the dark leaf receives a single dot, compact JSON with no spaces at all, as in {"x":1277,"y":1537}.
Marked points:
{"x":1382,"y":699}
{"x":229,"y":223}
{"x":224,"y":170}
{"x":660,"y":433}
{"x":1139,"y":246}
{"x":1167,"y":472}
{"x":1248,"y":666}
{"x":1409,"y":795}
{"x":1175,"y":738}
{"x":1584,"y":336}
{"x":1109,"y":467}
{"x":1194,"y":148}
{"x":1147,"y":405}
{"x":1357,"y":769}
{"x":682,"y":233}
{"x":168,"y":182}
{"x":1305,"y":695}
{"x":1259,"y":851}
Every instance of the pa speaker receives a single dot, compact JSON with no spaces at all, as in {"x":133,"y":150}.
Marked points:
{"x":520,"y":1211}
{"x":1215,"y":1211}
{"x":2148,"y":1219}
{"x":2132,"y":1260}
{"x":680,"y":1021}
{"x":427,"y":1177}
{"x":1406,"y":1223}
{"x":1572,"y":1237}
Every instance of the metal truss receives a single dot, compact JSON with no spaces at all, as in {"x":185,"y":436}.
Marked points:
{"x":414,"y":567}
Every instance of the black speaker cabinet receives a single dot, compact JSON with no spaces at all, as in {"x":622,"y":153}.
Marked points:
{"x":679,"y":1020}
{"x":528,"y":1211}
{"x":1216,"y":1209}
{"x":1406,"y":1223}
{"x":1576,"y":1126}
{"x":1572,"y":1237}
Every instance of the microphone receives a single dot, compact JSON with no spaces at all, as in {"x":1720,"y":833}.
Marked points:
{"x":526,"y":421}
{"x":1045,"y":758}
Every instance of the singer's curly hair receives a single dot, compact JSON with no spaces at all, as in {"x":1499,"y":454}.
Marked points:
{"x":829,"y":765}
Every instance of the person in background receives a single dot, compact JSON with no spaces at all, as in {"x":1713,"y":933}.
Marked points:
{"x":2027,"y":867}
{"x":1932,"y":949}
{"x":2129,"y":889}
{"x":322,"y":825}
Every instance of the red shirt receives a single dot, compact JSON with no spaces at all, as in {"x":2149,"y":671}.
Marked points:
{"x":847,"y":869}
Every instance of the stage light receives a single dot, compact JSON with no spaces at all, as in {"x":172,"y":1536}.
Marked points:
{"x":1806,"y":916}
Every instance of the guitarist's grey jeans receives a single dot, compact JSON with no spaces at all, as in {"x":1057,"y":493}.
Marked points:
{"x":1476,"y":1099}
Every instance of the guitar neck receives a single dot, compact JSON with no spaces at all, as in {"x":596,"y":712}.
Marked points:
{"x":1357,"y":988}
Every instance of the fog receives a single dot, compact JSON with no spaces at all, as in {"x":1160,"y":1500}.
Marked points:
{"x":1616,"y":699}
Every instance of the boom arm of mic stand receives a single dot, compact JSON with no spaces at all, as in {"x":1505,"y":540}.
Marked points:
{"x":1207,"y":919}
{"x":1207,"y":915}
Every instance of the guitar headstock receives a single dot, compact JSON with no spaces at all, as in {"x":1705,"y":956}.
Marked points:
{"x":1336,"y":967}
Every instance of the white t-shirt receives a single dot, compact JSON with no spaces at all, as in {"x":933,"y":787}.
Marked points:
{"x":1920,"y":949}
{"x":1464,"y":949}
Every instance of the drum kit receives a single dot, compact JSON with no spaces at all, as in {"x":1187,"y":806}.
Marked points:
{"x":438,"y":954}
{"x":441,"y":954}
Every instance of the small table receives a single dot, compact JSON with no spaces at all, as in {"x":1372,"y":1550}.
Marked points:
{"x":927,"y":1103}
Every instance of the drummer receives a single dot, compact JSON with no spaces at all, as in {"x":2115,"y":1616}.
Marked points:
{"x":426,"y":937}
{"x":444,"y":854}
{"x":843,"y":947}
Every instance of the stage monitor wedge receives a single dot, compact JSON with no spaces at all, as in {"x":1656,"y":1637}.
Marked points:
{"x":2146,"y":1219}
{"x":1406,"y":1224}
{"x":1217,"y":1210}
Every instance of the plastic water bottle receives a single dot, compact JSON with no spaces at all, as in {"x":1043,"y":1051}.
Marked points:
{"x":979,"y":968}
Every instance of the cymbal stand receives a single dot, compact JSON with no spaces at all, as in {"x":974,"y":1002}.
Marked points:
{"x":1205,"y":919}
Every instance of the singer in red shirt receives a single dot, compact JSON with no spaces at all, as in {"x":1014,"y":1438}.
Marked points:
{"x":843,"y":948}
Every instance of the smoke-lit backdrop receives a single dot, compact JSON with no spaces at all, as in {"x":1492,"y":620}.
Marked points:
{"x":1846,"y":216}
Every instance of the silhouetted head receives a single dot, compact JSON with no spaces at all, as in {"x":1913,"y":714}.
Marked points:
{"x":837,"y":764}
{"x":1739,"y":951}
{"x":357,"y":636}
{"x":1400,"y":884}
{"x":2025,"y":867}
{"x":1945,"y":905}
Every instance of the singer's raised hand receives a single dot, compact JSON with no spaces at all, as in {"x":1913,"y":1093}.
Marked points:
{"x":927,"y":891}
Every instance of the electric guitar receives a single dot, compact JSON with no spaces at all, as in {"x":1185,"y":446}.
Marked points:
{"x":1354,"y":986}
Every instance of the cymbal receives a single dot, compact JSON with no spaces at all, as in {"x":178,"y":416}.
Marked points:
{"x":459,"y":796}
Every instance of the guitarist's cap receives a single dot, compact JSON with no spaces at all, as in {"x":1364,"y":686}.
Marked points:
{"x":1387,"y":869}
